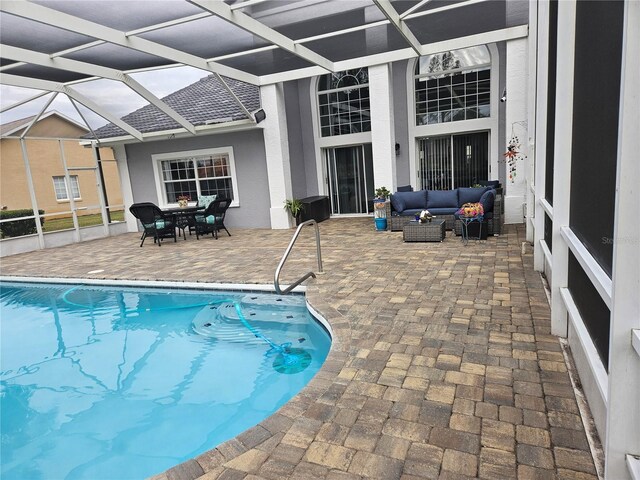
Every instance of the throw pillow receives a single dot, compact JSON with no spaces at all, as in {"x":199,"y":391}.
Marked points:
{"x":487,"y":200}
{"x":397,"y":203}
{"x":205,"y":200}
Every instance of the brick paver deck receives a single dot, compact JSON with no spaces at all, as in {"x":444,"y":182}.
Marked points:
{"x":442,"y":364}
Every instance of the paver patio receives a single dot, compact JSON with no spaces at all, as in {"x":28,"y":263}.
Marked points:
{"x":442,"y":363}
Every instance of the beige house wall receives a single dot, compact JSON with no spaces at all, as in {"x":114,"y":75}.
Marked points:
{"x":46,"y":162}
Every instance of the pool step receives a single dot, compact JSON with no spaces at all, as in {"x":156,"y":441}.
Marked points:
{"x":223,"y":322}
{"x":274,"y":302}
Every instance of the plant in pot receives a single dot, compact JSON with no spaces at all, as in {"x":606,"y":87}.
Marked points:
{"x":379,"y":207}
{"x":295,"y":208}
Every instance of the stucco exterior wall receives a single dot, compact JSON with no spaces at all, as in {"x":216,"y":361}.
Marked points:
{"x":294,"y":130}
{"x":251,"y":170}
{"x":401,"y":120}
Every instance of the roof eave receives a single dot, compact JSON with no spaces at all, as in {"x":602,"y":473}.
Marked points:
{"x":236,"y":125}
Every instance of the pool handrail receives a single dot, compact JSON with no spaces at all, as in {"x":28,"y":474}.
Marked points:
{"x":276,"y":282}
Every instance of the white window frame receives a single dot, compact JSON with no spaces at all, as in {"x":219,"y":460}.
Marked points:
{"x":338,"y":90}
{"x":157,"y":160}
{"x":74,"y":180}
{"x":448,"y":73}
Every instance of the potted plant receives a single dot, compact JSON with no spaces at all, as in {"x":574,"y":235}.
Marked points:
{"x":379,"y":207}
{"x":183,"y":200}
{"x":295,"y":208}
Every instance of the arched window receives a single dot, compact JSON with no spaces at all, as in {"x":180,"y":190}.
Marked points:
{"x":453,"y":85}
{"x":343,"y":100}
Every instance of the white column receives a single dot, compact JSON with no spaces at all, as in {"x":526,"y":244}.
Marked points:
{"x":539,"y":111}
{"x":383,"y":140}
{"x":120,"y":154}
{"x":276,"y":146}
{"x":623,"y":412}
{"x":562,"y":161}
{"x":516,"y":122}
{"x":532,"y":81}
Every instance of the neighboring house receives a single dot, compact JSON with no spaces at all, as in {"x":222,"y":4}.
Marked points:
{"x":47,"y":140}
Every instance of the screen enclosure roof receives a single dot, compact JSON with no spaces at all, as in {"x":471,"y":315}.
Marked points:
{"x":53,"y":45}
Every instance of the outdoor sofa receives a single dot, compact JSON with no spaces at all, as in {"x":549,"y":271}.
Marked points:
{"x":444,"y":204}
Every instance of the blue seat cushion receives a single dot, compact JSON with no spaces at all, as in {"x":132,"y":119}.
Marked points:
{"x":487,"y":199}
{"x":208,"y":219}
{"x":410,"y":212}
{"x":397,"y":202}
{"x":443,"y":210}
{"x":205,"y":200}
{"x":159,"y":224}
{"x":401,"y":201}
{"x":405,"y":188}
{"x":442,"y":198}
{"x":414,"y":199}
{"x":470,"y":195}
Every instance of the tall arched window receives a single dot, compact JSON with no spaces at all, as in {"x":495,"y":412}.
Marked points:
{"x":453,"y":85}
{"x":343,"y":100}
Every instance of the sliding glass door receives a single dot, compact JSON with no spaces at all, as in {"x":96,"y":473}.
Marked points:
{"x":350,"y":179}
{"x":452,"y":161}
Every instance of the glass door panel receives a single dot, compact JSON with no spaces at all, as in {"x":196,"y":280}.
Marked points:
{"x":350,"y":179}
{"x":453,"y":161}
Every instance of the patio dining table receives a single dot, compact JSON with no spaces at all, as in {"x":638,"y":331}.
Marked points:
{"x":182,"y":215}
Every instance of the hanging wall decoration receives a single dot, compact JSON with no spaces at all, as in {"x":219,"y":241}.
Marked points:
{"x":513,"y":153}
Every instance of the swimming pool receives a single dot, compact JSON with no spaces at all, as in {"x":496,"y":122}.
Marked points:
{"x":102,"y":382}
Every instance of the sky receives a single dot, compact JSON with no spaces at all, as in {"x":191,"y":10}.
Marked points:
{"x":114,"y":97}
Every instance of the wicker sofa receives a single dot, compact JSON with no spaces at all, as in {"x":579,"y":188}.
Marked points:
{"x":403,"y":207}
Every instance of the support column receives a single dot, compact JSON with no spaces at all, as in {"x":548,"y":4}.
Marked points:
{"x":623,"y":410}
{"x":120,"y":154}
{"x":539,"y":113}
{"x":382,"y":128}
{"x":532,"y":82}
{"x":516,"y":123}
{"x":562,"y":166}
{"x":276,"y":146}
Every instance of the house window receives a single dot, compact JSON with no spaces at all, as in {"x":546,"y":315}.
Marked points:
{"x":204,"y":172}
{"x":60,"y":187}
{"x":453,"y":86}
{"x":343,"y":101}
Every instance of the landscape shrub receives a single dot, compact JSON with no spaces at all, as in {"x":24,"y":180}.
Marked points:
{"x":18,"y":228}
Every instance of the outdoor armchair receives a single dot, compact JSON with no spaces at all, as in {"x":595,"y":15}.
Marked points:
{"x":155,"y":222}
{"x":212,"y":220}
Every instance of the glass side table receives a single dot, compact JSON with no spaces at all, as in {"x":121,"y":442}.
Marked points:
{"x":465,"y":227}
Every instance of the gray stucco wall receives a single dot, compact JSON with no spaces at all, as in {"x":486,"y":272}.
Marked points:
{"x":307,"y":134}
{"x":401,"y":121}
{"x":294,"y":132}
{"x":251,"y":171}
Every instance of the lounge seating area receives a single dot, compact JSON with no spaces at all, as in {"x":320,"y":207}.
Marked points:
{"x":404,"y":206}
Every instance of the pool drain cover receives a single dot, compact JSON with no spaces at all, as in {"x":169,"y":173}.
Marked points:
{"x":292,"y":360}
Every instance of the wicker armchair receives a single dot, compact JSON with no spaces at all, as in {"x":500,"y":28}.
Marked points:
{"x":212,"y":220}
{"x":154,"y":222}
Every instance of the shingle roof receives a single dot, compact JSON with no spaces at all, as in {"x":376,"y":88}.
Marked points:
{"x":11,"y":126}
{"x":203,"y":102}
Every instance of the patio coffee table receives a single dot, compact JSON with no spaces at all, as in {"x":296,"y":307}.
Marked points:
{"x":415,"y":231}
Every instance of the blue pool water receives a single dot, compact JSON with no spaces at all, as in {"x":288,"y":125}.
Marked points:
{"x":118,"y":383}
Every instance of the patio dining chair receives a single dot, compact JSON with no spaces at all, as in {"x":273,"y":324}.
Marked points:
{"x":212,"y":220}
{"x":155,"y":222}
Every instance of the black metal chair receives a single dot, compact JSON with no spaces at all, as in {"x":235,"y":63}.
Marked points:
{"x":155,"y":222}
{"x":212,"y":220}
